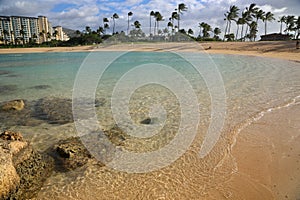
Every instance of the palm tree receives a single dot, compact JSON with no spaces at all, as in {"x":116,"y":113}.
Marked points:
{"x":268,"y":17}
{"x":137,"y":25}
{"x":281,"y":20}
{"x":128,"y":15}
{"x":105,"y":24}
{"x":100,"y":30}
{"x":42,"y":35}
{"x":181,"y":8}
{"x":158,"y":18}
{"x":190,"y":32}
{"x":114,"y":17}
{"x":55,"y":33}
{"x":88,"y":30}
{"x":239,"y":22}
{"x":253,"y":30}
{"x":290,"y":22}
{"x":201,"y":26}
{"x":250,"y":12}
{"x":206,"y":28}
{"x":298,"y":27}
{"x":217,"y":32}
{"x":34,"y":37}
{"x":259,"y":15}
{"x":174,"y":16}
{"x":170,"y":25}
{"x":152,"y":13}
{"x":230,"y":15}
{"x":22,"y":33}
{"x":5,"y":33}
{"x":49,"y":36}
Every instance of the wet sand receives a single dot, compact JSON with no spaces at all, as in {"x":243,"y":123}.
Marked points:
{"x":268,"y":157}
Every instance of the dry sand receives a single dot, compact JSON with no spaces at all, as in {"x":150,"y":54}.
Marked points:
{"x":279,"y":49}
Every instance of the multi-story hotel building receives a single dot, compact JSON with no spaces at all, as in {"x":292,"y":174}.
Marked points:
{"x":19,"y":30}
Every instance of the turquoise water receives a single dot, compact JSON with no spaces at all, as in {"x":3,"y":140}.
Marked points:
{"x":253,"y":85}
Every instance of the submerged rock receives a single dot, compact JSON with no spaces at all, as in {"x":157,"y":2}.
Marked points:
{"x":74,"y":152}
{"x":54,"y":110}
{"x":146,"y":121}
{"x":14,"y":117}
{"x":4,"y":72}
{"x":41,"y":87}
{"x":7,"y":89}
{"x":22,"y":169}
{"x":70,"y":154}
{"x":14,"y":105}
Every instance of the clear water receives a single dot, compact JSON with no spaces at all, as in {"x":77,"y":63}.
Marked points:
{"x":253,"y":86}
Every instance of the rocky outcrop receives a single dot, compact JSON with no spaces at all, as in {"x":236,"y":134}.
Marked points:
{"x":74,"y":152}
{"x":13,"y":105}
{"x":70,"y":154}
{"x":22,"y":169}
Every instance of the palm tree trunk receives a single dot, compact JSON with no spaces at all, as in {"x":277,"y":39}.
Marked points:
{"x":114,"y":26}
{"x":154,"y":33}
{"x":280,"y":27}
{"x":178,"y":21}
{"x":229,"y":27}
{"x":150,"y":26}
{"x":225,"y":30}
{"x":266,"y":27}
{"x":128,"y":25}
{"x":242,"y":31}
{"x":237,"y":32}
{"x":246,"y":32}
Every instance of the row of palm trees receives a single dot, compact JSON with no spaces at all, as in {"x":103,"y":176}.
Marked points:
{"x":22,"y":33}
{"x":250,"y":17}
{"x":246,"y":20}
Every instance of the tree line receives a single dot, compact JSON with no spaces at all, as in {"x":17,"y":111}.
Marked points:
{"x":245,"y":20}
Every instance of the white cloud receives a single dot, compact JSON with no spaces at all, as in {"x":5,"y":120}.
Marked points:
{"x":91,"y":12}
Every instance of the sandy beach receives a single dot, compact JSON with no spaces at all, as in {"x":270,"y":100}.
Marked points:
{"x":280,"y":49}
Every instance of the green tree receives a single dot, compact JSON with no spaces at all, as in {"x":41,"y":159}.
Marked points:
{"x":114,"y":17}
{"x":217,"y":32}
{"x":181,"y":8}
{"x":268,"y":17}
{"x":128,"y":17}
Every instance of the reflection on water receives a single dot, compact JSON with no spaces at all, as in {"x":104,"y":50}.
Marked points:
{"x":45,"y":81}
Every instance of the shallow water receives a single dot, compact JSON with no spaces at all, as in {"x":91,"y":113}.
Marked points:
{"x":253,"y":86}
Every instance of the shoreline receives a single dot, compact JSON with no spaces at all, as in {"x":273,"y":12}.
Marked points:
{"x":285,"y":50}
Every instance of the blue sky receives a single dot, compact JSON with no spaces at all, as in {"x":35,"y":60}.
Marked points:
{"x":76,"y":14}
